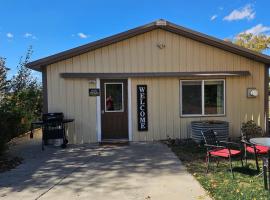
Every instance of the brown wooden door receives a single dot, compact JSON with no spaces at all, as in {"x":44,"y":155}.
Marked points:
{"x":114,"y":109}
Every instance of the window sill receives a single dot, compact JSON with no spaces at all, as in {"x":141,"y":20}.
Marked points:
{"x":195,"y":116}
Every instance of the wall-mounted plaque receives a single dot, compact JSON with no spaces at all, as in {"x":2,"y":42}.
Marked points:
{"x":93,"y":92}
{"x":142,"y":107}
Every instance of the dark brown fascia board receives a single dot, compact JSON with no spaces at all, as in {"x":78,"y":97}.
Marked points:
{"x":160,"y":24}
{"x":155,"y":74}
{"x":221,"y":44}
{"x":36,"y":65}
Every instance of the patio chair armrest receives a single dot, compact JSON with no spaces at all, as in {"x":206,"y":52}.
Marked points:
{"x":230,"y":144}
{"x":247,"y":142}
{"x":214,"y":146}
{"x":226,"y":142}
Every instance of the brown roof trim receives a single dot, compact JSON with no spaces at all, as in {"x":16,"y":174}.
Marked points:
{"x":227,"y":46}
{"x":155,"y":74}
{"x":159,"y":24}
{"x":36,"y":65}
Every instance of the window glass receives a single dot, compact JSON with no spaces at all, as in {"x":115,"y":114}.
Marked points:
{"x":113,"y":97}
{"x":214,"y":97}
{"x":191,"y":97}
{"x":202,"y":97}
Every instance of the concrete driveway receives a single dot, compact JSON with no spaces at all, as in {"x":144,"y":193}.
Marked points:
{"x":138,"y":171}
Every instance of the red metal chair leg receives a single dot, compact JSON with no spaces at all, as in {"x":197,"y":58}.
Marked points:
{"x":207,"y":162}
{"x":231,"y":167}
{"x":217,"y":162}
{"x":242,"y":163}
{"x":257,"y":163}
{"x":265,"y":174}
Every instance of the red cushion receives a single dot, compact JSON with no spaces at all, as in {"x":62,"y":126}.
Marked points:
{"x":259,"y":149}
{"x":224,"y":152}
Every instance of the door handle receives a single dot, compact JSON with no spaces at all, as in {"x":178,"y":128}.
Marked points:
{"x":102,"y":112}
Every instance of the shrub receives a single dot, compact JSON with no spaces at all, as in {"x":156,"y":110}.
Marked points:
{"x":251,"y":129}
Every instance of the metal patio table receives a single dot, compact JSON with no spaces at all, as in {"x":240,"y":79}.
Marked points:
{"x":264,"y":141}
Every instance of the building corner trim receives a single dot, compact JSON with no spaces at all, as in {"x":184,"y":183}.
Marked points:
{"x":98,"y":114}
{"x":44,"y":90}
{"x":266,"y":100}
{"x":130,"y":136}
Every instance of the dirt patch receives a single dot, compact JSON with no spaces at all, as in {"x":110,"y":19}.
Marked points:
{"x":8,"y":163}
{"x":8,"y":160}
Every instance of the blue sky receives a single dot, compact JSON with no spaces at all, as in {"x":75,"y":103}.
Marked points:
{"x":51,"y":26}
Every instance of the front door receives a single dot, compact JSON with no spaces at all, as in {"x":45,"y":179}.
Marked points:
{"x":114,"y":109}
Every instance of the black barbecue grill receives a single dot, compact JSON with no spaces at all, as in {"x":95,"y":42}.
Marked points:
{"x":53,"y":127}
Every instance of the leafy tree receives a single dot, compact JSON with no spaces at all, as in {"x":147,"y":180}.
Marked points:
{"x":4,"y":83}
{"x":22,"y":102}
{"x":23,"y":77}
{"x":257,"y":43}
{"x":26,"y":92}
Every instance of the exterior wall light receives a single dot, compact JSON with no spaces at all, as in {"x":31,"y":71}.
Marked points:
{"x":252,"y":92}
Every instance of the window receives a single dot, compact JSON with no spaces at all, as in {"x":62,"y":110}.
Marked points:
{"x":114,"y":97}
{"x":191,"y":98}
{"x":202,"y":97}
{"x":213,"y":97}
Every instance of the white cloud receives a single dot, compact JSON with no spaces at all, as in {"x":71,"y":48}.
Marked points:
{"x":213,"y":17}
{"x":247,"y":12}
{"x":27,"y":35}
{"x":10,"y":35}
{"x":258,"y":29}
{"x":82,"y":35}
{"x":30,"y":35}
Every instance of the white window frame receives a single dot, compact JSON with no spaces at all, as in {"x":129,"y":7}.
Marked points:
{"x":203,"y":111}
{"x":105,"y":96}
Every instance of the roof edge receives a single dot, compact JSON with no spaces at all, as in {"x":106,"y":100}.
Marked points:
{"x":219,"y":43}
{"x":162,"y":24}
{"x":38,"y":64}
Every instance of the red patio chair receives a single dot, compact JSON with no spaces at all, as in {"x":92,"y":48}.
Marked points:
{"x":220,"y":149}
{"x":253,"y":149}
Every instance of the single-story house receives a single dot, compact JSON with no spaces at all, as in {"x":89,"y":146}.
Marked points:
{"x":150,"y":82}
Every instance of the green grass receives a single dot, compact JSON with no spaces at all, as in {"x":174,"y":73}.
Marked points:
{"x":219,"y":182}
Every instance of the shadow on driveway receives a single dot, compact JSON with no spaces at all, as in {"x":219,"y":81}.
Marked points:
{"x":137,"y":171}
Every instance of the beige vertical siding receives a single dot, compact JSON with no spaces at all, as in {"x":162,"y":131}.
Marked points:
{"x":164,"y":107}
{"x":70,"y":96}
{"x":141,"y":54}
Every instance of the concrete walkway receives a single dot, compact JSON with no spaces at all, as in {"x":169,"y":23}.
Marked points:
{"x":142,"y":171}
